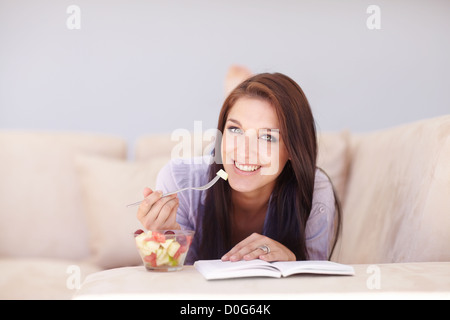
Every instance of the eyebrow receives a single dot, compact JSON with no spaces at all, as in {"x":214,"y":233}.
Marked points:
{"x":239,"y":124}
{"x":235,"y":121}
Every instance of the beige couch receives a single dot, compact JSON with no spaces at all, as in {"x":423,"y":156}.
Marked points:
{"x":63,"y":197}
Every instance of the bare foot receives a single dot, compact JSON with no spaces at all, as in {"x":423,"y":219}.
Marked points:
{"x":236,"y":74}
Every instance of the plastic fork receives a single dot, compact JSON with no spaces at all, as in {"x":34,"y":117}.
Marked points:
{"x":220,"y":174}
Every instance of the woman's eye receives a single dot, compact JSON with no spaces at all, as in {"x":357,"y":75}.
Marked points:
{"x":234,"y":130}
{"x":268,"y":137}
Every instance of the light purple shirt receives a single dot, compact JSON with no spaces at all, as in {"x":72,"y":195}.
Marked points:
{"x":193,"y":172}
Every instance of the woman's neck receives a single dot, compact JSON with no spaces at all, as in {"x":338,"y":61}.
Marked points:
{"x":249,"y":213}
{"x":249,"y":204}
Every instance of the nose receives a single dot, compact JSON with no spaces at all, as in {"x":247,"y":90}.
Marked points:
{"x":246,"y":150}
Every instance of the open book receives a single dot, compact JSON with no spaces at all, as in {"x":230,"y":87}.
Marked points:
{"x":217,"y":269}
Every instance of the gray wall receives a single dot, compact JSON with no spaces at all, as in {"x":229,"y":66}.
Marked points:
{"x":138,"y":67}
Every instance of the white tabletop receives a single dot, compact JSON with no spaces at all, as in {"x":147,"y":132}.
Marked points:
{"x":430,"y":280}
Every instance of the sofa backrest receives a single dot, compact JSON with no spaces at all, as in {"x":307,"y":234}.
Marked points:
{"x":41,"y":210}
{"x":397,"y":205}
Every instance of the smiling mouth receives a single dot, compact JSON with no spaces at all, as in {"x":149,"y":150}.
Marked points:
{"x":245,"y":167}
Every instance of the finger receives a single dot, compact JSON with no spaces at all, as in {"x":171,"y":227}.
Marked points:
{"x":146,"y":192}
{"x":172,"y":220}
{"x":159,"y":204}
{"x":168,"y":209}
{"x":245,"y":251}
{"x":253,"y":237}
{"x":271,"y":256}
{"x":255,"y":254}
{"x":147,"y":203}
{"x":233,"y":251}
{"x":153,"y":221}
{"x":153,"y":197}
{"x":142,"y":209}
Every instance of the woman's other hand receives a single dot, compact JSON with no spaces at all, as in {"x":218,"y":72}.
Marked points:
{"x":157,"y":212}
{"x":253,"y":246}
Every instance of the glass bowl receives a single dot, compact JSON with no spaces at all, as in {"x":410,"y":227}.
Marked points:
{"x":163,"y":250}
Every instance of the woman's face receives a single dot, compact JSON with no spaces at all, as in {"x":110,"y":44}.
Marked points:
{"x":253,"y":151}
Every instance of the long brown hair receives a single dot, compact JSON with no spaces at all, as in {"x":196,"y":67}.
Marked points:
{"x":291,"y":201}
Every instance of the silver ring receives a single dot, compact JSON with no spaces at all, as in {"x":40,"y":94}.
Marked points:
{"x":264,"y":248}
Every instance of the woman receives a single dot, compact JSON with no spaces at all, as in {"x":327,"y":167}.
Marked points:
{"x":276,"y":204}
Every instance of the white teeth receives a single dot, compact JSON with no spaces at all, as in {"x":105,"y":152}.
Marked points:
{"x":245,"y":167}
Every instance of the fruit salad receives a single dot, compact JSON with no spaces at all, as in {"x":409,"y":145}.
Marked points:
{"x":163,"y":250}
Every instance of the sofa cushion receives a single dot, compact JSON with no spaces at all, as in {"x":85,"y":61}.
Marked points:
{"x":334,"y":158}
{"x":398,"y":196}
{"x":41,"y":279}
{"x":41,"y":213}
{"x":398,"y":281}
{"x":179,"y":144}
{"x":108,"y":186}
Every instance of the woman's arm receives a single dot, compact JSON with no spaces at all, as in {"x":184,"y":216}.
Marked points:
{"x":157,"y":212}
{"x":321,"y":222}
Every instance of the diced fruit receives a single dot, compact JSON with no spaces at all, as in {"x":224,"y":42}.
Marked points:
{"x":222,"y":174}
{"x":173,"y":248}
{"x":151,"y":246}
{"x":164,"y":260}
{"x":144,"y":251}
{"x":159,"y":250}
{"x":167,"y":243}
{"x":151,"y":259}
{"x":138,"y":232}
{"x":140,"y":240}
{"x":156,"y":236}
{"x":181,"y":249}
{"x":162,"y":257}
{"x":173,"y":262}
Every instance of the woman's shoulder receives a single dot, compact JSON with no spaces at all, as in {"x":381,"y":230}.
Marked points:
{"x":192,"y":165}
{"x":322,"y":179}
{"x":323,"y":189}
{"x":185,"y":172}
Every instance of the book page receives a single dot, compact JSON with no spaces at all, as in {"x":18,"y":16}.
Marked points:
{"x":217,"y":269}
{"x":288,"y":268}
